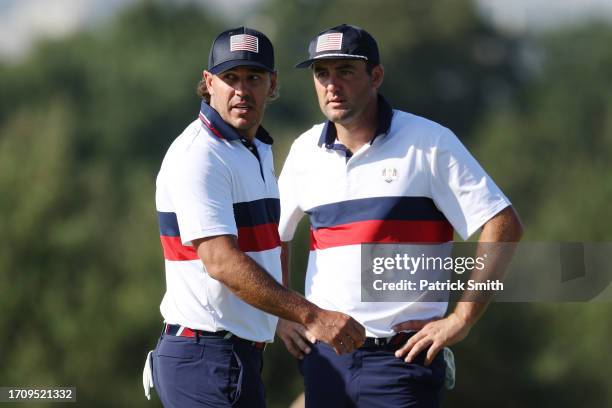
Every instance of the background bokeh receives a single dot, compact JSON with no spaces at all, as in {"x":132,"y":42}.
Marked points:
{"x":86,"y":118}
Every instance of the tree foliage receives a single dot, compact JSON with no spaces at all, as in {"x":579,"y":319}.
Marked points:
{"x":85,"y":121}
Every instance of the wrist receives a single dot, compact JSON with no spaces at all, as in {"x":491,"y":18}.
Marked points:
{"x":310,"y":315}
{"x":463,"y":318}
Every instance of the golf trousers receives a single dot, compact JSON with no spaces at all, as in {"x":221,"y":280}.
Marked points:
{"x":369,"y":378}
{"x":211,"y":372}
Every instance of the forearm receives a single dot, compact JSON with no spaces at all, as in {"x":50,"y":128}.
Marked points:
{"x":255,"y":286}
{"x":497,"y":240}
{"x":226,"y":263}
{"x":496,"y":245}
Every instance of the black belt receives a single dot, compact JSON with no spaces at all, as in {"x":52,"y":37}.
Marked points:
{"x":398,"y":340}
{"x":182,"y":331}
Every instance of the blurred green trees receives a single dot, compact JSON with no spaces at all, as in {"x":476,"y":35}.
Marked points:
{"x":84,"y":124}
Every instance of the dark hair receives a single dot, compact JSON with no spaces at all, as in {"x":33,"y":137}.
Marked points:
{"x":202,"y":91}
{"x":370,"y":67}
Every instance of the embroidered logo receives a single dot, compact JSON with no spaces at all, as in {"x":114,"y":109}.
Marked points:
{"x":244,"y":42}
{"x":329,"y":42}
{"x":389,"y":174}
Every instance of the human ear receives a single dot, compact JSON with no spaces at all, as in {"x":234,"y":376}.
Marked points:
{"x":273,"y":84}
{"x":208,"y":77}
{"x":378,"y":74}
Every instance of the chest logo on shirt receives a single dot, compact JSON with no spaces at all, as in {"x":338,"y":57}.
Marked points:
{"x":389,"y":174}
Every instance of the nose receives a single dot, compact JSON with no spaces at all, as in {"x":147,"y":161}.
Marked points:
{"x":241,"y":88}
{"x":332,"y":84}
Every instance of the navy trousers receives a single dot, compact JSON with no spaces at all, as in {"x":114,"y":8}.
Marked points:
{"x":370,"y":378}
{"x":210,"y":372}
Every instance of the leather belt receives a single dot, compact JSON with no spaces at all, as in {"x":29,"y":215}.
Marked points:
{"x":182,"y":331}
{"x":397,"y":340}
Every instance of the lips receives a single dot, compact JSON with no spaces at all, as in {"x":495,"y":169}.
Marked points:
{"x":336,"y":99}
{"x":336,"y":102}
{"x":242,"y":108}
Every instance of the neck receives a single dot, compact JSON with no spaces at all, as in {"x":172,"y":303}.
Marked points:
{"x":361,"y":130}
{"x":248,"y":134}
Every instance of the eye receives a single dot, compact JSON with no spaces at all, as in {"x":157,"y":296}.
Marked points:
{"x":320,"y":74}
{"x":229,"y":76}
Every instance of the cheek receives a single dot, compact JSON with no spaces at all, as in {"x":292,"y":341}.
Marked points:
{"x":223,"y":90}
{"x":260,"y":96}
{"x":320,"y":91}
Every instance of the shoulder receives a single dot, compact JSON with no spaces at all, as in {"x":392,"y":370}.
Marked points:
{"x":303,"y":148}
{"x":309,"y":140}
{"x":418,"y":130}
{"x":198,"y":139}
{"x":196,"y":147}
{"x":306,"y":143}
{"x":408,"y":121}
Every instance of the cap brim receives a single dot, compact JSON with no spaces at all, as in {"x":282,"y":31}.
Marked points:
{"x":224,"y":66}
{"x":309,"y":62}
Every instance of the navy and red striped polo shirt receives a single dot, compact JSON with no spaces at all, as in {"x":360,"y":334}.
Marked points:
{"x":413,"y":184}
{"x":212,"y":183}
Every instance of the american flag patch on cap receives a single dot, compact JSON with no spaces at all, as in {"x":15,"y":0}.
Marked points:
{"x":329,"y":42}
{"x":244,"y":42}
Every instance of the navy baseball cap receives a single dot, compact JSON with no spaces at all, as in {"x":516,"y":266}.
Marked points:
{"x":340,"y":42}
{"x":241,"y":46}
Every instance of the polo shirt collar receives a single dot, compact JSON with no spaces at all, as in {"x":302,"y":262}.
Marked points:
{"x":385,"y":113}
{"x":220,"y":128}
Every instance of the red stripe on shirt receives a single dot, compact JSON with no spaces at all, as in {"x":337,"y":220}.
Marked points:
{"x":377,"y":231}
{"x":250,"y":239}
{"x":258,"y":238}
{"x":174,"y":250}
{"x":210,"y":126}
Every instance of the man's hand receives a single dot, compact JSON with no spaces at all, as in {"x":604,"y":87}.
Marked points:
{"x":506,"y":227}
{"x":295,"y":336}
{"x":435,"y":334}
{"x":339,"y":330}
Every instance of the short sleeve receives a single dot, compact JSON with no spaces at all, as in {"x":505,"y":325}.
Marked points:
{"x":460,"y":187}
{"x":200,"y":187}
{"x":291,"y":213}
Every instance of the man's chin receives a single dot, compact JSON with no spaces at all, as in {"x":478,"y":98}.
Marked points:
{"x":240,"y":122}
{"x":244,"y":124}
{"x":338,"y":116}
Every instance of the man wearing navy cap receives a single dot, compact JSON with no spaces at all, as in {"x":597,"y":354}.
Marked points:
{"x":381,"y":176}
{"x":218,"y":210}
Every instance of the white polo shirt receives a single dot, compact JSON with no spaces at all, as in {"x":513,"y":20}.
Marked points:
{"x":211,"y":184}
{"x":414,"y":183}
